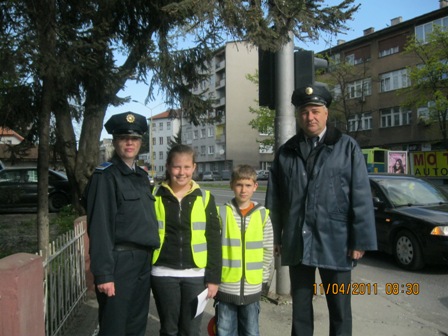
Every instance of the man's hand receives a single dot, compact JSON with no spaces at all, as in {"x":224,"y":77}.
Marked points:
{"x":107,"y":288}
{"x":355,"y":254}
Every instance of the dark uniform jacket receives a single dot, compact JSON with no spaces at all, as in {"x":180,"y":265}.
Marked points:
{"x":176,"y":249}
{"x":120,"y":210}
{"x":321,"y":207}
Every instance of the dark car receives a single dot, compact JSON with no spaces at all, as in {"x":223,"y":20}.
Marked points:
{"x":411,"y":216}
{"x":226,"y":175}
{"x":18,"y":189}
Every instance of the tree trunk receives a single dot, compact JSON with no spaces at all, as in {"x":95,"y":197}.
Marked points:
{"x":42,"y":14}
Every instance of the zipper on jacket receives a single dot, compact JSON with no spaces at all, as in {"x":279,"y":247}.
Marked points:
{"x":181,"y":234}
{"x":243,"y":259}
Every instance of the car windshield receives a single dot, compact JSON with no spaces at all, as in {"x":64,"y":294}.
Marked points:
{"x":405,"y":192}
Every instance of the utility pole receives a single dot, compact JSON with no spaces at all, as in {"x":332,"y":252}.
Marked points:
{"x":285,"y":126}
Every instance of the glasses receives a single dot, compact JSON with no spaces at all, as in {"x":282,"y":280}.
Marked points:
{"x":127,"y":138}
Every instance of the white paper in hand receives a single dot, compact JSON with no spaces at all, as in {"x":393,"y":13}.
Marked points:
{"x":202,"y":302}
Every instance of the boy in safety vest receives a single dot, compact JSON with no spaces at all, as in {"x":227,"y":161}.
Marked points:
{"x":247,"y":250}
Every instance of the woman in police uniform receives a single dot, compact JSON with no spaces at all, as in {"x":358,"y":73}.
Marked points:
{"x":122,"y":229}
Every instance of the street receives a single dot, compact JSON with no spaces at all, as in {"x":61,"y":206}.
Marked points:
{"x":422,"y":297}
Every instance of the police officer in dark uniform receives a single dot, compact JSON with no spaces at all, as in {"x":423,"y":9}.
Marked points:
{"x":123,"y":231}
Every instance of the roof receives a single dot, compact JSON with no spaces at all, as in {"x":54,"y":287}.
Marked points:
{"x":168,"y":114}
{"x":388,"y":31}
{"x":4,"y":132}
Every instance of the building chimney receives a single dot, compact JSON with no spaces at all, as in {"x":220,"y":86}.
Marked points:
{"x":395,"y":21}
{"x":369,"y":31}
{"x":443,"y":3}
{"x":341,"y":42}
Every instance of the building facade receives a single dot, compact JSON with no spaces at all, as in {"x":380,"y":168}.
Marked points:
{"x":228,"y":140}
{"x":378,"y":117}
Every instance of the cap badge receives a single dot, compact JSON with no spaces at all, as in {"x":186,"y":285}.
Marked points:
{"x":130,"y":118}
{"x":309,"y":90}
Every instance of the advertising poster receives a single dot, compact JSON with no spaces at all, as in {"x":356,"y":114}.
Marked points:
{"x":397,"y":162}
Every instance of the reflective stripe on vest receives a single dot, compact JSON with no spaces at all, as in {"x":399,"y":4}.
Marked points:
{"x":232,"y":251}
{"x":198,"y":224}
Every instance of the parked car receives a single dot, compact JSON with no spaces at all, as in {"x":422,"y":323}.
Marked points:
{"x":18,"y":189}
{"x":211,"y":176}
{"x":226,"y":174}
{"x":262,"y":174}
{"x":411,"y":217}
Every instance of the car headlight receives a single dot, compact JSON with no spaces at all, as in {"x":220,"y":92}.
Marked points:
{"x":440,"y":231}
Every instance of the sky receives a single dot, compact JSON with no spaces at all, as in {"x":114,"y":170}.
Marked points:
{"x":372,"y":13}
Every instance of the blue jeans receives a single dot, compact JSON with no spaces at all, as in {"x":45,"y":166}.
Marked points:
{"x":233,"y":320}
{"x":176,"y":301}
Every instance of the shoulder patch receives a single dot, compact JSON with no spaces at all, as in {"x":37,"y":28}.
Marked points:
{"x":104,"y":165}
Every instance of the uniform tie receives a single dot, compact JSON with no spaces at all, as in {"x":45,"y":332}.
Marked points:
{"x":312,"y":143}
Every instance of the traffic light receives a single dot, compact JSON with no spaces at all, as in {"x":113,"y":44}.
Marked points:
{"x":266,"y":78}
{"x":305,"y":66}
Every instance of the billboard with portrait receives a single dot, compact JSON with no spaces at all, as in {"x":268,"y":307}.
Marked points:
{"x":397,"y":162}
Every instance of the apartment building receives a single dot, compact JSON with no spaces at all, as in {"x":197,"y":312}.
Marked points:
{"x":225,"y":138}
{"x":164,"y":127}
{"x":379,"y":117}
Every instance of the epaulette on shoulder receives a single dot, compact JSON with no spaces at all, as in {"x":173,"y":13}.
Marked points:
{"x":104,"y":166}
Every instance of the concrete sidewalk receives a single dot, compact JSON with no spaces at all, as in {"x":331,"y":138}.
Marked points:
{"x":373,"y":315}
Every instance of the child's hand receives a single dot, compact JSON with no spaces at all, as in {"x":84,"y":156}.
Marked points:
{"x":212,"y":290}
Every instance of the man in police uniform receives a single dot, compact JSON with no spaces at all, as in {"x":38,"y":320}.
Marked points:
{"x":123,"y":231}
{"x":321,"y":211}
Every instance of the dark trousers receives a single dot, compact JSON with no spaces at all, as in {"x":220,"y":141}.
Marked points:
{"x":303,"y":287}
{"x":126,"y":313}
{"x":176,"y":301}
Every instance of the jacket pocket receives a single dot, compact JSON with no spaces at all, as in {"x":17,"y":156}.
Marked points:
{"x":130,"y":195}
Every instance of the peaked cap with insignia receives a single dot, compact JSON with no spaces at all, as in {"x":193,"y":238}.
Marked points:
{"x":312,"y":95}
{"x":127,"y":123}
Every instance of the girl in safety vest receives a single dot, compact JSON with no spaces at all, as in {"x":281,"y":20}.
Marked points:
{"x":247,"y":251}
{"x":189,"y":258}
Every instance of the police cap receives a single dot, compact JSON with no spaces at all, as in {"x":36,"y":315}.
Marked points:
{"x":127,"y":123}
{"x":312,"y":95}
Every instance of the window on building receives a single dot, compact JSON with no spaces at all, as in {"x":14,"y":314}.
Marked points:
{"x":168,"y":125}
{"x":211,"y":132}
{"x":160,"y":155}
{"x":359,"y":88}
{"x":153,"y":126}
{"x":360,"y":122}
{"x":211,"y":150}
{"x":395,"y":116}
{"x":161,"y":126}
{"x":423,"y":112}
{"x":154,"y":141}
{"x":358,"y":56}
{"x":423,"y":31}
{"x":392,"y":45}
{"x":394,"y":80}
{"x":168,"y":140}
{"x":336,"y":91}
{"x":202,"y":150}
{"x":202,"y":133}
{"x":160,"y":140}
{"x":195,"y":134}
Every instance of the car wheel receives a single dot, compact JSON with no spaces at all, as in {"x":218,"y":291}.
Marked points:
{"x":57,"y":201}
{"x":407,"y":251}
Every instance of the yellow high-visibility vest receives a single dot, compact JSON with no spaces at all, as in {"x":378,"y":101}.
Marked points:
{"x":234,"y":255}
{"x":198,"y":224}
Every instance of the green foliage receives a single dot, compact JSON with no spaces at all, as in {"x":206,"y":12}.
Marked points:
{"x":264,"y":119}
{"x":429,"y":79}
